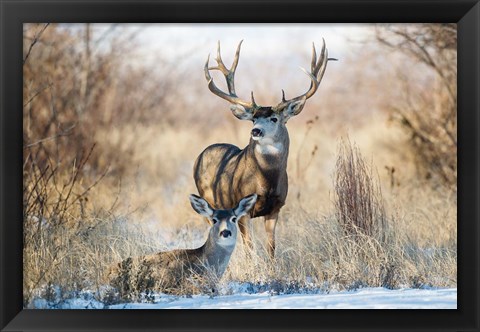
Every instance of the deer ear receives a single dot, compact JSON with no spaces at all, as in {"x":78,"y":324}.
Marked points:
{"x":245,"y":205}
{"x":294,"y":108}
{"x":240,"y":112}
{"x":201,"y":206}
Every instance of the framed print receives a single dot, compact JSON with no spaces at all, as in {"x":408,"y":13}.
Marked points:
{"x":170,"y":155}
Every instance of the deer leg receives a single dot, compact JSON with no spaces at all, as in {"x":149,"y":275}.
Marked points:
{"x":270,"y":224}
{"x":243,"y":225}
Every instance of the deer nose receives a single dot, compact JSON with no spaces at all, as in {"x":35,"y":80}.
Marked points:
{"x":257,"y":132}
{"x":225,"y":233}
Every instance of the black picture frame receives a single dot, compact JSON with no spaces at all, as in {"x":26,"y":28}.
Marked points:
{"x":466,"y":13}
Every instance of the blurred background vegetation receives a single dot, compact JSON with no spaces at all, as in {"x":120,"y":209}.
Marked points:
{"x":115,"y":115}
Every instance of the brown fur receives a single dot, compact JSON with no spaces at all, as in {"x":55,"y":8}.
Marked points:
{"x":223,"y":174}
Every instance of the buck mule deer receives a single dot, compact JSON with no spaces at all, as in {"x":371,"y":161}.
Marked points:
{"x":173,"y":271}
{"x":224,"y":173}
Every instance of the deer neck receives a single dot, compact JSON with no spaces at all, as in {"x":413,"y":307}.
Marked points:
{"x":270,"y":153}
{"x":216,"y":256}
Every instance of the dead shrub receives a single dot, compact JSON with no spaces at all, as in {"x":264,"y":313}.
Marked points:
{"x":358,"y":197}
{"x":426,"y":108}
{"x":77,"y":84}
{"x":139,"y":278}
{"x":74,"y":88}
{"x":54,"y":214}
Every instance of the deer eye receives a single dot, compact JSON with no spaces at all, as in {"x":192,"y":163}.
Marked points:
{"x":273,"y":120}
{"x":214,"y":220}
{"x":233,"y":219}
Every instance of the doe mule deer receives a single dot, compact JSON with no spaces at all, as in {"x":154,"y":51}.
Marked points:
{"x":184,"y":270}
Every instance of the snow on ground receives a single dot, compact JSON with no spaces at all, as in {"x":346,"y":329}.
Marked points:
{"x":366,"y":298}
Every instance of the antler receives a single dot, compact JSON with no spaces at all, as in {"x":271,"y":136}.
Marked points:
{"x":229,"y":77}
{"x":316,"y":74}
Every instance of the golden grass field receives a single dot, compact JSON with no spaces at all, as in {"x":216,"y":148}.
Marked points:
{"x":75,"y":228}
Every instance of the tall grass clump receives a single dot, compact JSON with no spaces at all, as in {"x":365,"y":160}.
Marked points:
{"x":358,"y":203}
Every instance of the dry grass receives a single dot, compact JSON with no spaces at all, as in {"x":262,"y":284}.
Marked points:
{"x":313,"y":250}
{"x":332,"y":251}
{"x":129,"y":197}
{"x":140,"y":278}
{"x":312,"y":247}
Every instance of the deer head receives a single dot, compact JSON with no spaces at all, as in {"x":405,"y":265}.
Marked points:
{"x":224,"y":229}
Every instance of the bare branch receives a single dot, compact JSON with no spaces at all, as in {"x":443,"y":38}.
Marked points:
{"x":34,"y":41}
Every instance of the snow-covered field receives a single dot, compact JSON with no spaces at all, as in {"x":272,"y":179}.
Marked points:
{"x":366,"y":298}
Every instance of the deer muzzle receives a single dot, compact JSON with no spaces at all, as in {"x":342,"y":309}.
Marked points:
{"x":257,"y":132}
{"x":225,"y":233}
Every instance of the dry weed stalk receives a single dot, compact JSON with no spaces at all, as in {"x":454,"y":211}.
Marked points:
{"x":358,"y":197}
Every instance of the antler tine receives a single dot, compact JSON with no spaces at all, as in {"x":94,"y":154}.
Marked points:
{"x":219,"y":56}
{"x":323,"y":67}
{"x":207,"y":73}
{"x":230,"y":74}
{"x":318,"y":67}
{"x":220,"y":65}
{"x":237,"y":56}
{"x":229,"y":77}
{"x":253,"y":101}
{"x":313,"y":85}
{"x":323,"y":56}
{"x":323,"y":63}
{"x":323,"y":59}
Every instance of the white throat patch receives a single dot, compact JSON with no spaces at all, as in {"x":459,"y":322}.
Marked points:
{"x":269,"y":148}
{"x":226,"y":242}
